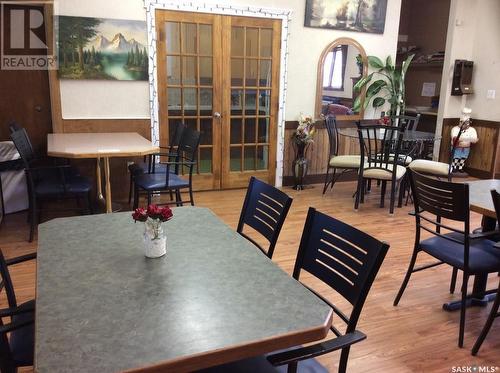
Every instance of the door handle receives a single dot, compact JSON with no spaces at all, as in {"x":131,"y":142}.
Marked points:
{"x":217,"y":115}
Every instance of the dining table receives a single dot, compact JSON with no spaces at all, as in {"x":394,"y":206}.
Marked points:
{"x":481,"y":202}
{"x":101,"y":146}
{"x":213,"y":298}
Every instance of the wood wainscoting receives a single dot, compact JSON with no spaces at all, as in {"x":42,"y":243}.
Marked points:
{"x":317,"y":153}
{"x":484,"y":159}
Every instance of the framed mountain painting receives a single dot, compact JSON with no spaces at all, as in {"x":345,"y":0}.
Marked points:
{"x":348,"y":15}
{"x":99,"y":48}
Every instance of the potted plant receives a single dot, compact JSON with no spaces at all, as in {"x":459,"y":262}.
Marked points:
{"x":390,"y":87}
{"x":302,"y":137}
{"x":155,"y":240}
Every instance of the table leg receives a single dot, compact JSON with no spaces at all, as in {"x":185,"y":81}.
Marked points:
{"x":109,"y":206}
{"x":477,"y":298}
{"x":100,"y":197}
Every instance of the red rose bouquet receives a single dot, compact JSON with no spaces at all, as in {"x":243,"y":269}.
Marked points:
{"x":153,"y":216}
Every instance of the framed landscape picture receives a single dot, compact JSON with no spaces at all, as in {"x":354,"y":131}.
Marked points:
{"x":349,"y":15}
{"x":101,"y":48}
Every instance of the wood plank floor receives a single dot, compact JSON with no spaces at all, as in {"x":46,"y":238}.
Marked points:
{"x":416,"y":336}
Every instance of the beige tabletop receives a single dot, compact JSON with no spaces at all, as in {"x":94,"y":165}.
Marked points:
{"x":98,"y":145}
{"x":480,"y":196}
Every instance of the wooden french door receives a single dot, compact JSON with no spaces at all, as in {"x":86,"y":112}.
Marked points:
{"x":220,"y":75}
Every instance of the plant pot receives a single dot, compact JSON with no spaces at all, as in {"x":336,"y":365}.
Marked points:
{"x":300,"y":166}
{"x":155,"y":241}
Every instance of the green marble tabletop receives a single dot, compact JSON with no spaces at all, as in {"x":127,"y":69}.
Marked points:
{"x":214,"y":297}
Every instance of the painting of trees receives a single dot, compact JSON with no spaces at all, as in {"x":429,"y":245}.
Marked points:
{"x":349,"y":15}
{"x":98,"y":48}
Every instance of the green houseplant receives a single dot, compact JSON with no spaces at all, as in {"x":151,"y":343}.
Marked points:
{"x":390,"y":87}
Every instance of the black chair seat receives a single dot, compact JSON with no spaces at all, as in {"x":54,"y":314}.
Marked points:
{"x":261,"y":365}
{"x":483,"y":257}
{"x":158,"y":181}
{"x":22,"y":340}
{"x":53,"y":186}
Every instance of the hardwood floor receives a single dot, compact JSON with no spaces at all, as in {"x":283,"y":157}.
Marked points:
{"x":416,"y":336}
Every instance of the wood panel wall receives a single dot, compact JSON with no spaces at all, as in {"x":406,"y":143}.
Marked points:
{"x":484,"y":159}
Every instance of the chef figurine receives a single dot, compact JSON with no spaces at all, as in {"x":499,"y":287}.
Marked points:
{"x":468,"y":136}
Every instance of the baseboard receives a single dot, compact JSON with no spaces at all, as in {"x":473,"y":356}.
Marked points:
{"x":319,"y":178}
{"x":480,"y":174}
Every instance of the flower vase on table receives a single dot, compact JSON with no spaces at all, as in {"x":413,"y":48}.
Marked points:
{"x":302,"y":137}
{"x":155,"y":239}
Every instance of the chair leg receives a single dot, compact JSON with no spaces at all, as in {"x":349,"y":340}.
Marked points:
{"x":131,"y":186}
{"x":453,"y":281}
{"x":393,"y":196}
{"x":402,"y":190}
{"x":292,"y":367}
{"x":33,"y":219}
{"x":136,"y":197}
{"x":382,"y":193}
{"x":358,"y":193}
{"x":150,"y":195}
{"x":326,"y":179}
{"x":363,"y":188}
{"x":343,"y":359}
{"x":191,"y":195}
{"x":407,"y":277}
{"x":178,"y":198}
{"x":487,"y":325}
{"x":462,"y":310}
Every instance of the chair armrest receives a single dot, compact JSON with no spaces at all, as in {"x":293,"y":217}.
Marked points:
{"x":20,"y":259}
{"x":308,"y":352}
{"x":7,"y":328}
{"x":23,"y":308}
{"x":475,"y":236}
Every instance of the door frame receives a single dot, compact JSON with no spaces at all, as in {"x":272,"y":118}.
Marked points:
{"x":222,"y":9}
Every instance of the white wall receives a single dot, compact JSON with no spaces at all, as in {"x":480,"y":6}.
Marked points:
{"x":473,"y":34}
{"x":91,"y":99}
{"x":486,"y":57}
{"x":109,"y":99}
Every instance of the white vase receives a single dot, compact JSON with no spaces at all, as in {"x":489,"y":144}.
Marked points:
{"x":155,"y":241}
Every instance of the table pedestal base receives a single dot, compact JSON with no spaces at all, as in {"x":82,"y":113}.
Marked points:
{"x":471,"y":302}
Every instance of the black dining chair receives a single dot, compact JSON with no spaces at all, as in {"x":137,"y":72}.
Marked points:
{"x":49,"y":182}
{"x":16,"y":335}
{"x":336,"y":162}
{"x":347,"y":260}
{"x":150,"y":166}
{"x":496,"y":305}
{"x":437,"y":202}
{"x":265,"y":209}
{"x":380,"y":148}
{"x":167,"y":181}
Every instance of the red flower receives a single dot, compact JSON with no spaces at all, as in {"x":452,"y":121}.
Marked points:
{"x":140,"y":214}
{"x":166,"y":214}
{"x":154,"y":212}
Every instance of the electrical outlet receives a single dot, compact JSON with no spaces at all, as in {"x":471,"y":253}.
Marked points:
{"x":128,"y":164}
{"x":490,"y":95}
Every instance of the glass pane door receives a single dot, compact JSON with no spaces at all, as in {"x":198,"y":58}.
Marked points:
{"x":189,"y":88}
{"x":252,"y":65}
